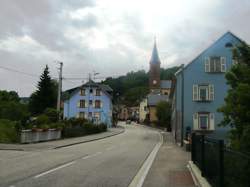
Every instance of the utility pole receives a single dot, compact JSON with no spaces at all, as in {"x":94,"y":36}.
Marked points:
{"x":59,"y":89}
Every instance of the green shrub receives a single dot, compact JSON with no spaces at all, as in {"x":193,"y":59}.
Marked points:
{"x":8,"y":131}
{"x":41,"y":120}
{"x":52,"y":114}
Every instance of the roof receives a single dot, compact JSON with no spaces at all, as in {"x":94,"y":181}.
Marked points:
{"x":104,"y":87}
{"x":154,"y":99}
{"x":181,"y":69}
{"x":166,"y":84}
{"x":155,"y":57}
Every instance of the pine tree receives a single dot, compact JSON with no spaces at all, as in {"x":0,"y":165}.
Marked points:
{"x":46,"y":94}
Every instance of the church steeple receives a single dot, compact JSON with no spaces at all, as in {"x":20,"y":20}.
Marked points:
{"x":155,"y":57}
{"x":154,"y":72}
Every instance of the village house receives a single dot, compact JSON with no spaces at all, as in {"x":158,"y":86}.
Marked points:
{"x":200,"y":90}
{"x":92,"y":101}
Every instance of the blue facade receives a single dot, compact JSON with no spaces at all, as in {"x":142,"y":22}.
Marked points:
{"x":200,"y":92}
{"x":98,"y":114}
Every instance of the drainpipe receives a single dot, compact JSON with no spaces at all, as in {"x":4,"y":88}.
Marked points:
{"x":182,"y":103}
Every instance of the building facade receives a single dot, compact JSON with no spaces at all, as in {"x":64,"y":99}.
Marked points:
{"x":143,"y":110}
{"x":91,"y":101}
{"x":200,"y":90}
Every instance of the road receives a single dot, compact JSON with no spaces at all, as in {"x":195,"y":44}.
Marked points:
{"x":108,"y":162}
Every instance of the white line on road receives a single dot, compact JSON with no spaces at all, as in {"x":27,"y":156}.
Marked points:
{"x":86,"y":157}
{"x":141,"y":175}
{"x":52,"y":170}
{"x":110,"y":148}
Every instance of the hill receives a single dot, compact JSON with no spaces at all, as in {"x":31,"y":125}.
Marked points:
{"x":132,"y":87}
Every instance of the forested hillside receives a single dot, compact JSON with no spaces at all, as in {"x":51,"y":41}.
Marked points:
{"x":133,"y":87}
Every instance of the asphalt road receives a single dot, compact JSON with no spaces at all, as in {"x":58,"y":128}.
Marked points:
{"x":109,"y":162}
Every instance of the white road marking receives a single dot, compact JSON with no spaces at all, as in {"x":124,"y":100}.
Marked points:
{"x":86,"y":157}
{"x":97,"y":153}
{"x":110,"y":148}
{"x":141,"y":175}
{"x":52,"y":170}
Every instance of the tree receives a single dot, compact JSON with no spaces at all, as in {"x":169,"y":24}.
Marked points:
{"x":11,"y":108}
{"x":163,"y":113}
{"x":236,"y":109}
{"x":46,"y":94}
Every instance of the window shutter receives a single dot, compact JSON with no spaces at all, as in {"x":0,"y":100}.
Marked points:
{"x":78,"y":104}
{"x":195,"y":121}
{"x":100,"y":92}
{"x":86,"y":103}
{"x":223,"y":64}
{"x":195,"y":92}
{"x":207,"y":64}
{"x":78,"y":115}
{"x":211,"y":92}
{"x":101,"y":104}
{"x":211,"y":121}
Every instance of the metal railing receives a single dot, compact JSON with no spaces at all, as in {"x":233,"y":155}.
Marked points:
{"x":219,"y":165}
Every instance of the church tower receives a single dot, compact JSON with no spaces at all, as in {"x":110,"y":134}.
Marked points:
{"x":154,"y":72}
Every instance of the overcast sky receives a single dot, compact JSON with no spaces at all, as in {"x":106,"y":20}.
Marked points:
{"x":111,"y":37}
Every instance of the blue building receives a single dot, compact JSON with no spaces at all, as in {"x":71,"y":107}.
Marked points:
{"x":92,"y":101}
{"x":200,"y":89}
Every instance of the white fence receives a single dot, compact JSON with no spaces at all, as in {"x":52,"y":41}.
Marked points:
{"x":29,"y":136}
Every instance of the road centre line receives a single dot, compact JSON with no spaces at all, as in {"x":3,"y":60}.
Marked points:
{"x":54,"y":169}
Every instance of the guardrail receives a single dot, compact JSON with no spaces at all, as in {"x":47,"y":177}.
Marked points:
{"x":39,"y":135}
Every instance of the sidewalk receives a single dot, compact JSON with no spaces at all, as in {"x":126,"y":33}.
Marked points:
{"x":169,"y":168}
{"x":61,"y":143}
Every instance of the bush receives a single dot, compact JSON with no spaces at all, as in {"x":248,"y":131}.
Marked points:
{"x":80,"y":129}
{"x":8,"y":131}
{"x":41,"y":120}
{"x":52,"y":114}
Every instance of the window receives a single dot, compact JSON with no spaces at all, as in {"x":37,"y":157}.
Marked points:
{"x":90,"y":114}
{"x":215,"y":64}
{"x":81,"y":115}
{"x":98,"y":92}
{"x":90,"y":102}
{"x":203,"y":121}
{"x":97,"y":104}
{"x":81,"y":104}
{"x":203,"y":92}
{"x":97,"y":116}
{"x":82,"y":92}
{"x":91,"y":91}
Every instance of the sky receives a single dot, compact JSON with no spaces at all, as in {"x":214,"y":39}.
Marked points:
{"x":110,"y":37}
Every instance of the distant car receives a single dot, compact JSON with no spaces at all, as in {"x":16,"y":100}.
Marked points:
{"x":128,"y":122}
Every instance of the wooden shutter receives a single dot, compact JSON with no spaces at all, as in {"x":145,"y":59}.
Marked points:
{"x":207,"y":64}
{"x":211,"y":92}
{"x":195,"y":121}
{"x":86,"y":103}
{"x":195,"y":92}
{"x":77,"y":115}
{"x":101,"y":104}
{"x":211,"y":121}
{"x":223,"y":64}
{"x":78,"y":104}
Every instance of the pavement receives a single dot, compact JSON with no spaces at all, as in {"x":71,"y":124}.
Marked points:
{"x":55,"y":144}
{"x":169,"y":168}
{"x":108,"y":162}
{"x":114,"y":161}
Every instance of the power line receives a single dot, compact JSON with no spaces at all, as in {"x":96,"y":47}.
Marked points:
{"x":17,"y":71}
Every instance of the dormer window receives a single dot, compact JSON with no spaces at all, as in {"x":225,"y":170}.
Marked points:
{"x":82,"y":91}
{"x":215,"y":64}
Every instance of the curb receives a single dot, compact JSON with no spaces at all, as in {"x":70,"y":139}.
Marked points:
{"x":196,"y":175}
{"x":86,"y":141}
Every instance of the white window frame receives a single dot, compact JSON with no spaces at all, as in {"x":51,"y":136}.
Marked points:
{"x":196,"y":121}
{"x":223,"y":65}
{"x":209,"y":92}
